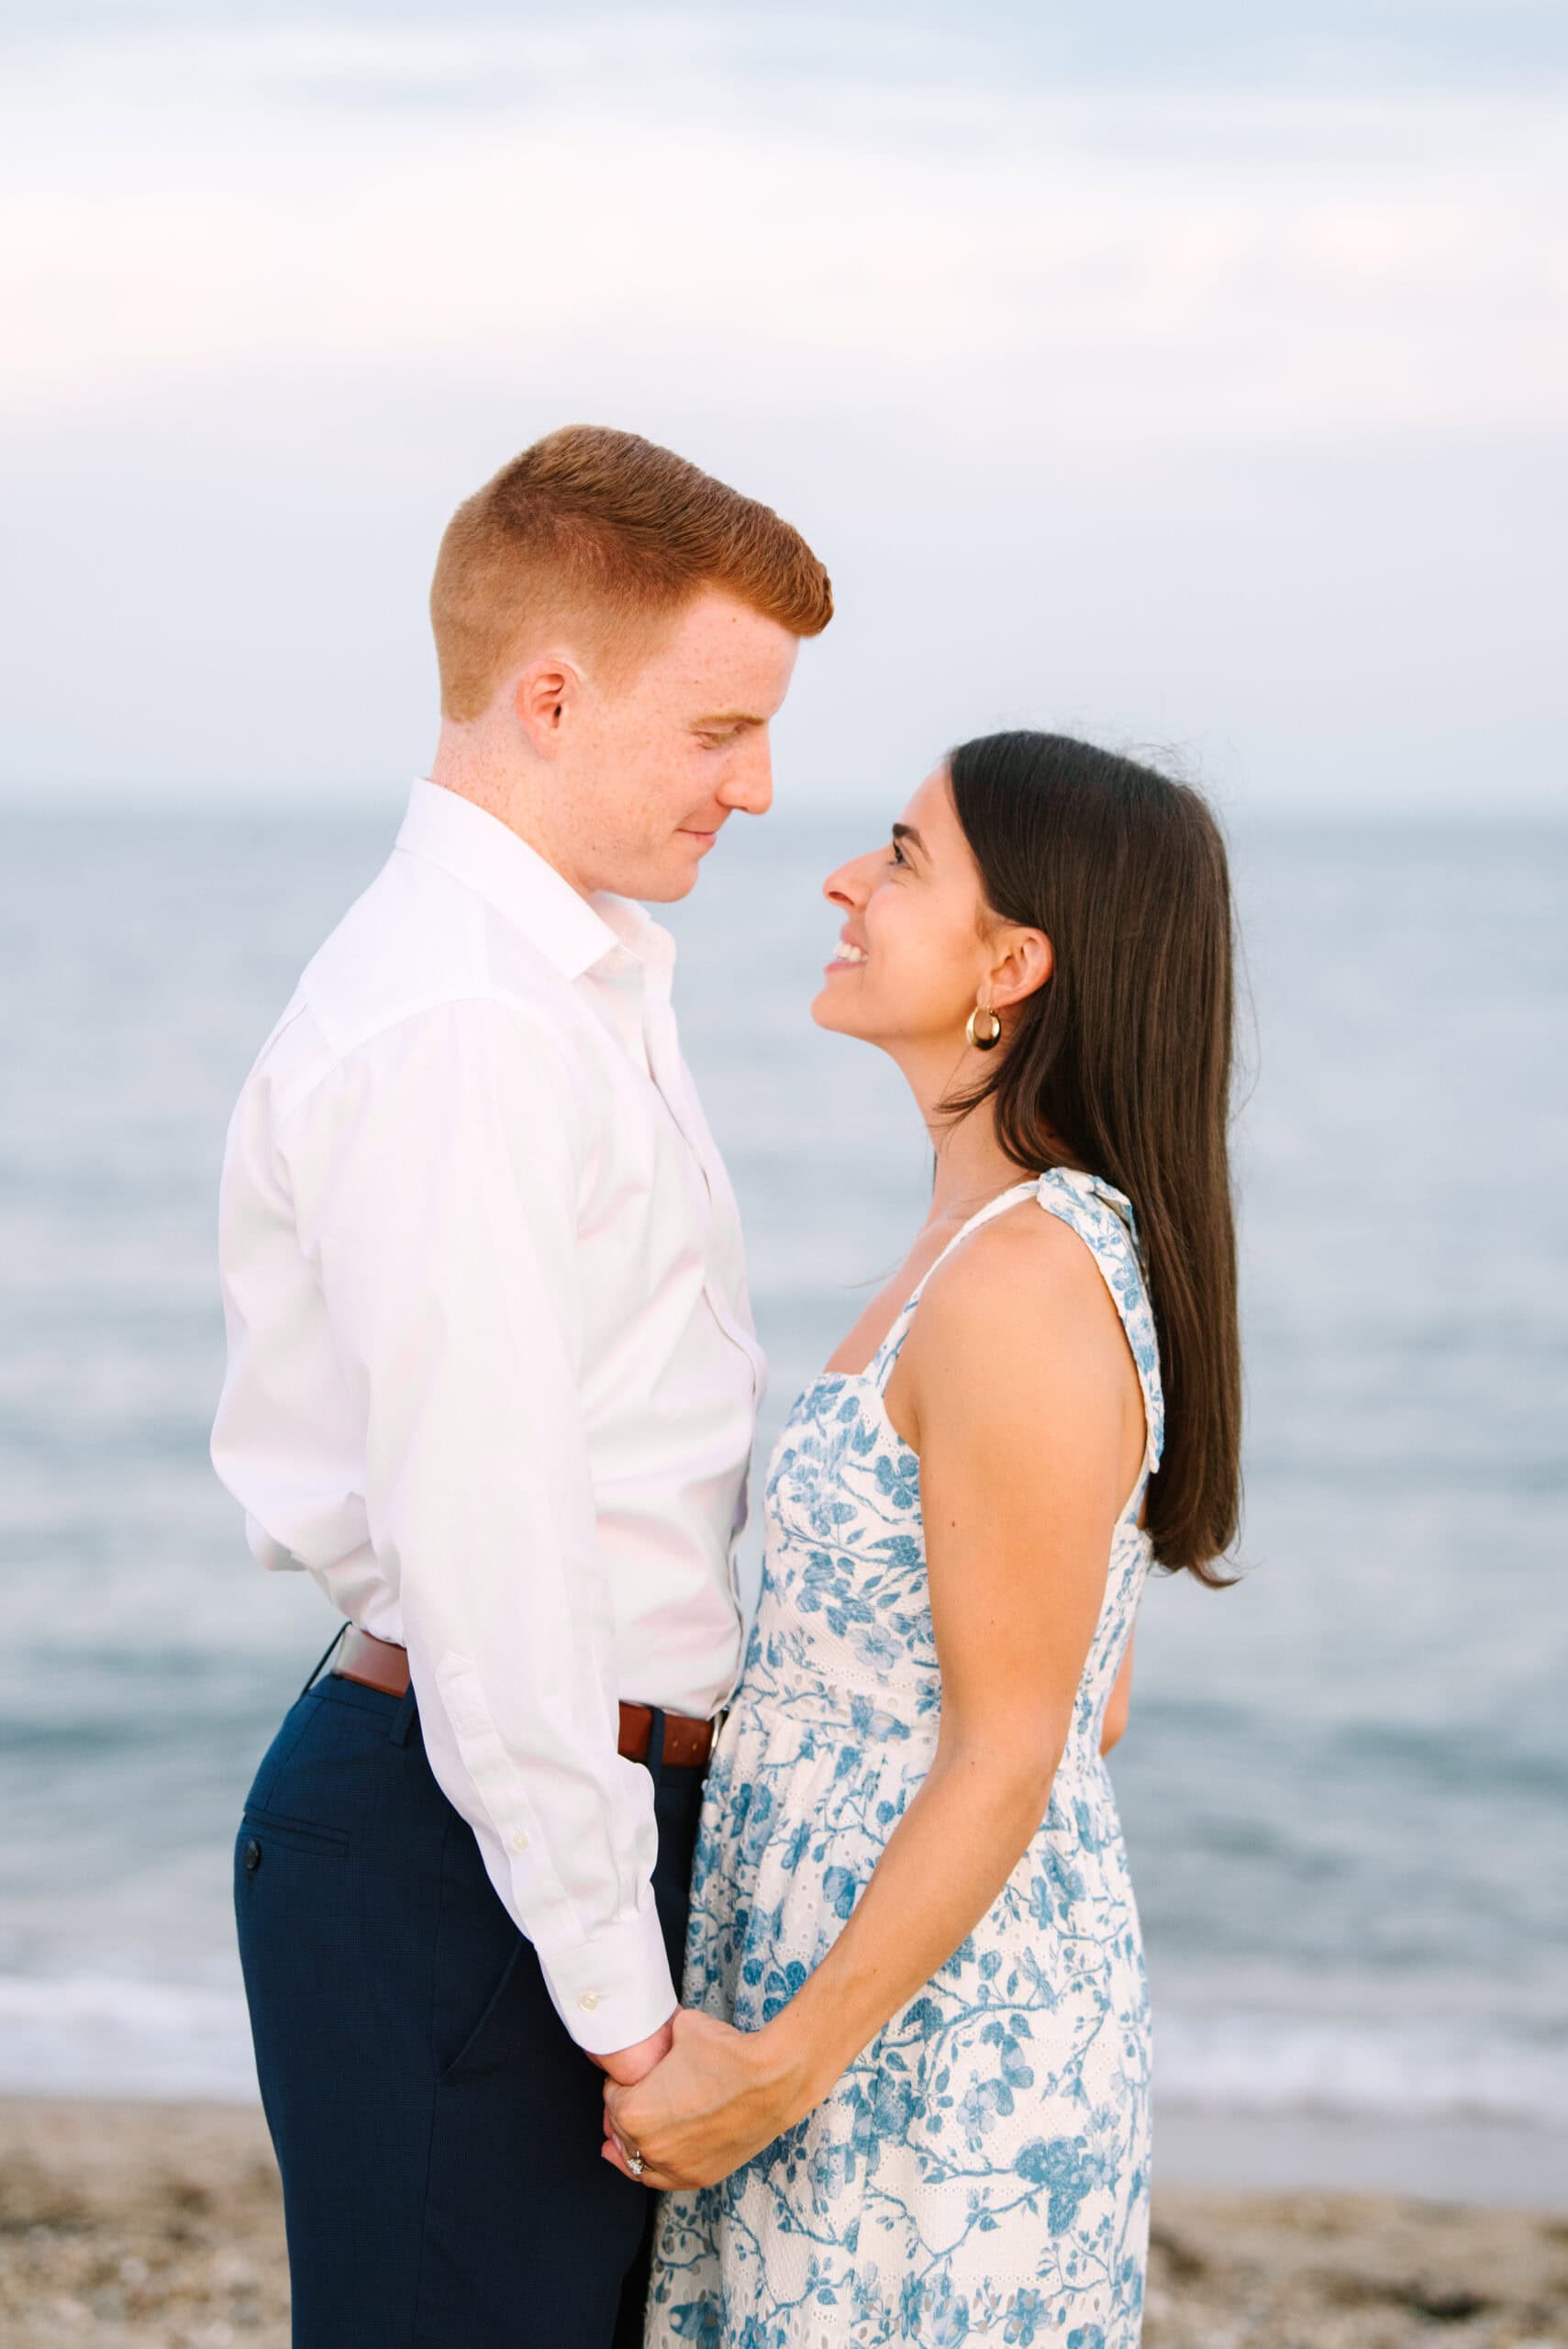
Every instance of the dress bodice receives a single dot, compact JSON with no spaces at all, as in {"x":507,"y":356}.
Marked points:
{"x":845,"y":1609}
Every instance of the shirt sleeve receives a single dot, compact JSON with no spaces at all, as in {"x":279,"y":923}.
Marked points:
{"x":435,"y":1182}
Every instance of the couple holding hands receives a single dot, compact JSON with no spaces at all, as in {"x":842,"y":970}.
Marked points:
{"x":492,"y":1381}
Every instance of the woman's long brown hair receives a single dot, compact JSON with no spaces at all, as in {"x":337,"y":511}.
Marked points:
{"x":1121,"y":1063}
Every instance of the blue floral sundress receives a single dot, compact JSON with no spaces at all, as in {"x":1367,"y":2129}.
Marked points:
{"x":980,"y":2173}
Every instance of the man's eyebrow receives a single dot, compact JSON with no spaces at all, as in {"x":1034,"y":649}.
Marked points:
{"x":731,"y":717}
{"x":908,"y":832}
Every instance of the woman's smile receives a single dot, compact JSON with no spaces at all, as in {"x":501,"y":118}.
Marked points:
{"x":847,"y":956}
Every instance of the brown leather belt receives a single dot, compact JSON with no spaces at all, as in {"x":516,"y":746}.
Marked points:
{"x":381,"y":1663}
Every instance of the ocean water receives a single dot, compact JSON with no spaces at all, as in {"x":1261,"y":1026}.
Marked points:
{"x":1345,"y":1782}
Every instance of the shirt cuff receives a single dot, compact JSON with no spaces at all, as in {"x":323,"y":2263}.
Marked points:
{"x":615,"y":1989}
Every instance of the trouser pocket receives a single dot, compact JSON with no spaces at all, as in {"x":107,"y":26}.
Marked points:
{"x":264,"y":1830}
{"x":518,"y":2008}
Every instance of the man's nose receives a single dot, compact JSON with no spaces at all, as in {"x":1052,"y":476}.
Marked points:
{"x":749,"y":787}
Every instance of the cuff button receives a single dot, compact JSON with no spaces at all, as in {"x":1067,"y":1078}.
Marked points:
{"x":252,"y":1854}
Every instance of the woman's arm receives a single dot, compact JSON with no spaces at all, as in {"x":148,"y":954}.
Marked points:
{"x":1019,"y":1392}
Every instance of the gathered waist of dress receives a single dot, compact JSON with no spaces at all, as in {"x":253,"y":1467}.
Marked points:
{"x":901,"y":1713}
{"x":831,"y":1691}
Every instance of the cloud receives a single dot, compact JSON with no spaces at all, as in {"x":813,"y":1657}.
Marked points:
{"x":1143,"y":266}
{"x":1203,"y":45}
{"x":1179,"y":409}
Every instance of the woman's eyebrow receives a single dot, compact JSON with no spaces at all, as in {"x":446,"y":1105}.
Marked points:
{"x":908,"y":832}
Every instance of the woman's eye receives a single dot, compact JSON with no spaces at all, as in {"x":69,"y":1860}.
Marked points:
{"x":896,"y":855}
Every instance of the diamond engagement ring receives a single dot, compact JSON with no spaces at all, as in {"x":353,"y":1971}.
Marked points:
{"x":634,"y":2161}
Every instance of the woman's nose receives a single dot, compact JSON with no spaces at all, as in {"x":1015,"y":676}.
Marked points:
{"x":847,"y":887}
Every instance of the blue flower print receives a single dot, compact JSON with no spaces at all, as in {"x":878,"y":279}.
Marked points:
{"x":796,"y":1845}
{"x":700,"y":2322}
{"x":894,"y":2107}
{"x":982,"y":2106}
{"x":756,"y":1816}
{"x":1016,"y":2070}
{"x":948,"y":2315}
{"x":780,"y":1986}
{"x":1054,"y":1889}
{"x":869,"y":1720}
{"x":1027,"y":2312}
{"x":841,"y":1890}
{"x":875,"y":1648}
{"x":828,"y":2172}
{"x":899,"y":1479}
{"x":1058,"y":2163}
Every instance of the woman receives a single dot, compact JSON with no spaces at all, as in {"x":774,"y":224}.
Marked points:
{"x":910,"y":2098}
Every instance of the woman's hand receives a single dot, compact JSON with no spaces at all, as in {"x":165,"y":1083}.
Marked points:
{"x":718,"y":2097}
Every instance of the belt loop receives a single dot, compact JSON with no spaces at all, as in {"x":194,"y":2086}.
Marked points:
{"x":656,"y":1745}
{"x":315,"y":1673}
{"x":403,"y":1719}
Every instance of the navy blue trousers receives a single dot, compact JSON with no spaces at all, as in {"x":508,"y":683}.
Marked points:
{"x":437,"y":2129}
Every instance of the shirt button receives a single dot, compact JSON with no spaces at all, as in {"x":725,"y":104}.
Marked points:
{"x":252,"y":1854}
{"x":520,"y":1840}
{"x":588,"y":2001}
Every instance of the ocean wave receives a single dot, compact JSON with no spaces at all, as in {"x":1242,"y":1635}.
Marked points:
{"x":1421,"y":2070}
{"x":102,"y":2034}
{"x":117,"y":2036}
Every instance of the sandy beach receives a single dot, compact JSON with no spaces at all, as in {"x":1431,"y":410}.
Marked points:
{"x":160,"y":2224}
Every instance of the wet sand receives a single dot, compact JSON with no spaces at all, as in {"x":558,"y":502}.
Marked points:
{"x":160,"y":2224}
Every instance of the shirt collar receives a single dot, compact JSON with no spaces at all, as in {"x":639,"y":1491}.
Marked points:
{"x":479,"y":850}
{"x":636,"y":932}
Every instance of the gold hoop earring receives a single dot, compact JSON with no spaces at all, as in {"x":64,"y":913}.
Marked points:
{"x":983,"y":1043}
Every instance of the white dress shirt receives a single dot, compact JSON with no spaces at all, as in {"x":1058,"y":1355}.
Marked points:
{"x":492,"y":1374}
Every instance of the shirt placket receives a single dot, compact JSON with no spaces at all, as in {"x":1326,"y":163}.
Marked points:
{"x":669,"y":1075}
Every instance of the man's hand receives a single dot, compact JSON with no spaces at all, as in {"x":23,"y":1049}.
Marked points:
{"x":627,"y":2065}
{"x":719,"y":2097}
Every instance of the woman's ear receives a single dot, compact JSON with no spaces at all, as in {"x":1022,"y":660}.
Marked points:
{"x":1025,"y":960}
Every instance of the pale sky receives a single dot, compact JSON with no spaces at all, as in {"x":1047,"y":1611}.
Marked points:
{"x":1191,"y":378}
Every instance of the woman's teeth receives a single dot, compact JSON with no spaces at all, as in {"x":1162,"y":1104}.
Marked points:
{"x":843,"y":953}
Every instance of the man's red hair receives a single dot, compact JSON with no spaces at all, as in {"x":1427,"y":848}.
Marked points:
{"x":602,"y":538}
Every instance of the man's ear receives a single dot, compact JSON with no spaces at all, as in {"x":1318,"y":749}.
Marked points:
{"x":542,"y":696}
{"x":1025,"y":960}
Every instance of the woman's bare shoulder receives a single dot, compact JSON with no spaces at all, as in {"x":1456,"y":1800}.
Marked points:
{"x":1023,"y":1265}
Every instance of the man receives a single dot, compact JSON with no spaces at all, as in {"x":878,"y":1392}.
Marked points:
{"x":492,"y":1380}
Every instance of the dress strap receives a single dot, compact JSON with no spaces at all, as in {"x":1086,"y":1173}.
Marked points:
{"x":1103,"y":1218}
{"x":880,"y":1369}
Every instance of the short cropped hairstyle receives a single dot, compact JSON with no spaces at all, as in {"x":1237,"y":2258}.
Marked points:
{"x":608,"y":536}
